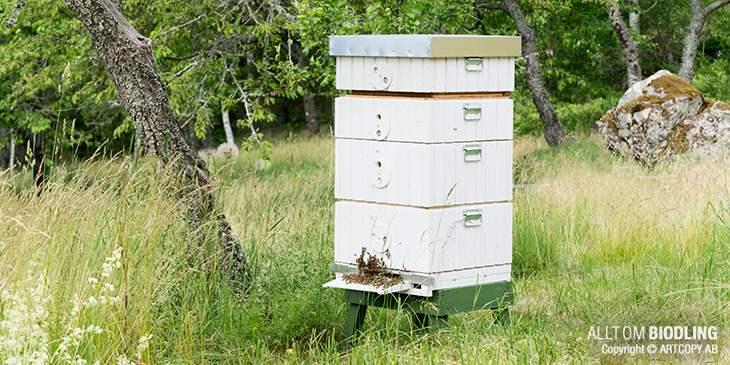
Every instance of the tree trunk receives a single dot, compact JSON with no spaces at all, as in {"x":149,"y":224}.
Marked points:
{"x":310,"y":112}
{"x":4,"y":155}
{"x":692,"y":37}
{"x":227,"y":126}
{"x":40,"y":172}
{"x":128,"y":58}
{"x":552,"y":129}
{"x":629,"y":47}
{"x":635,"y":18}
{"x":310,"y":107}
{"x":11,"y":163}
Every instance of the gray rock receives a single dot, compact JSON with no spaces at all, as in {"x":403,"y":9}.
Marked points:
{"x":661,"y":116}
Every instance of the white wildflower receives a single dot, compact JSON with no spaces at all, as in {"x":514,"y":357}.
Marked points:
{"x":108,"y":288}
{"x":94,"y":329}
{"x":111,"y":262}
{"x":113,"y":300}
{"x":75,"y":310}
{"x":226,"y":151}
{"x":79,"y":361}
{"x":106,"y":270}
{"x":260,"y":164}
{"x":122,"y":360}
{"x":93,"y":280}
{"x":143,"y":344}
{"x":24,"y":324}
{"x":91,"y":302}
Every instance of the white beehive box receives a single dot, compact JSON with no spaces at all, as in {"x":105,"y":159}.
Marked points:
{"x":423,"y":156}
{"x":423,"y":120}
{"x":425,"y":63}
{"x":423,"y":175}
{"x":426,"y":241}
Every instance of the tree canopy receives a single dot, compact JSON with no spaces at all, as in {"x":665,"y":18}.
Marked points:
{"x":256,"y":59}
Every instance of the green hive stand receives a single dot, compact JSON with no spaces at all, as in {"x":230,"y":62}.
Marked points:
{"x":431,"y":312}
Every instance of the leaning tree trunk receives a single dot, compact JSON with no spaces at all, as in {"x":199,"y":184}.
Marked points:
{"x":552,"y":129}
{"x":629,"y":47}
{"x":310,"y":107}
{"x":128,"y":58}
{"x":692,"y":37}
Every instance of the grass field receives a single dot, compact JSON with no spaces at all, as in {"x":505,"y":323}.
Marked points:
{"x":96,"y":270}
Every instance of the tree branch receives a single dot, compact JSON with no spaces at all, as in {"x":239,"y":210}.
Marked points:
{"x":714,"y":6}
{"x":14,"y":16}
{"x":629,"y":47}
{"x":183,"y":58}
{"x":490,"y":5}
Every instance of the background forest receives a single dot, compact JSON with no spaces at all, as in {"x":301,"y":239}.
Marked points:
{"x":267,"y":62}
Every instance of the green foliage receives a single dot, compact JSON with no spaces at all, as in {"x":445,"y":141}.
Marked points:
{"x":712,"y":78}
{"x":253,"y":57}
{"x":52,"y":83}
{"x":578,"y":51}
{"x":576,"y":118}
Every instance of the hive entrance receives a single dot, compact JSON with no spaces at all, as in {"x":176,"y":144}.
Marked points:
{"x":372,"y":271}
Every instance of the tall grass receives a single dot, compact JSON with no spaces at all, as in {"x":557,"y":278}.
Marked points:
{"x":598,"y":240}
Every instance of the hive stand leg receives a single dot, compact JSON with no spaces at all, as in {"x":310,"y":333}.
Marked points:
{"x":420,"y":320}
{"x":431,"y":322}
{"x":437,"y":322}
{"x":502,"y":316}
{"x":355,"y":319}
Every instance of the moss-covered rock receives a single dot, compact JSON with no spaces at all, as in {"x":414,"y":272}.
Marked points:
{"x":662,"y":116}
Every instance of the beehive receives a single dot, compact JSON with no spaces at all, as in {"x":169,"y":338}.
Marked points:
{"x":423,"y":159}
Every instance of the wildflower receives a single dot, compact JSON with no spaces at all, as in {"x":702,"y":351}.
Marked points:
{"x":24,"y":324}
{"x":108,"y":287}
{"x":114,"y":261}
{"x":79,"y":361}
{"x":260,"y":164}
{"x":122,"y":360}
{"x":142,"y":344}
{"x":95,"y":330}
{"x":75,"y":310}
{"x":91,"y":302}
{"x":106,"y":270}
{"x":93,"y":280}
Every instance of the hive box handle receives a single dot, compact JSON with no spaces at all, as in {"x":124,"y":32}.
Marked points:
{"x":472,"y":111}
{"x":473,"y":152}
{"x":473,"y":64}
{"x":472,"y":217}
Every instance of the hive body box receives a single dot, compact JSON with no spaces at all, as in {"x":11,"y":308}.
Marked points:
{"x":423,"y":170}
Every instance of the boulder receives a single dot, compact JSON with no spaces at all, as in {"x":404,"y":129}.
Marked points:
{"x":664,"y":115}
